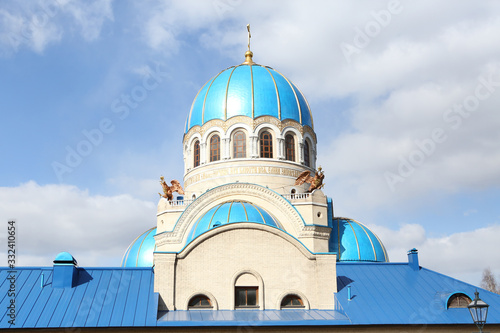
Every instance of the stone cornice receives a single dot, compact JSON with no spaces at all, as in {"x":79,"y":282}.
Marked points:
{"x":315,"y":231}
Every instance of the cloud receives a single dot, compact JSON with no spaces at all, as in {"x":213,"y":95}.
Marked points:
{"x":38,"y":24}
{"x":470,"y":212}
{"x":96,"y":230}
{"x":90,"y":16}
{"x":50,"y":219}
{"x":462,"y":255}
{"x":400,"y":87}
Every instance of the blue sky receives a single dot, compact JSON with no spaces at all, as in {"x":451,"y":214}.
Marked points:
{"x":405,"y":106}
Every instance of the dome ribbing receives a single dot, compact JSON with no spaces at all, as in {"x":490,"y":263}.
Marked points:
{"x":249,"y":90}
{"x":353,"y":241}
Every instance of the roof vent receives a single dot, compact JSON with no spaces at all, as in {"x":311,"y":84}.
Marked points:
{"x":65,"y":271}
{"x":413,"y":259}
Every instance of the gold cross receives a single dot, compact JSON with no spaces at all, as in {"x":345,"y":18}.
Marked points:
{"x":249,"y":36}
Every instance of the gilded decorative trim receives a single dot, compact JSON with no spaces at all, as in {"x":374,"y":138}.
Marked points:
{"x":237,"y":120}
{"x":252,"y":123}
{"x":227,"y":90}
{"x":277,"y":92}
{"x":205,"y":98}
{"x":268,"y":120}
{"x":253,"y":97}
{"x":355,"y":237}
{"x":292,"y":123}
{"x":308,"y":107}
{"x":309,"y":130}
{"x":188,"y":120}
{"x":371,"y":242}
{"x":294,"y":94}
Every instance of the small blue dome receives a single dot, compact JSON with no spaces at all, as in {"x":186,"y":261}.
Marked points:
{"x":231,"y":212}
{"x":353,"y":241}
{"x":64,"y":257}
{"x":249,"y":90}
{"x":140,"y":252}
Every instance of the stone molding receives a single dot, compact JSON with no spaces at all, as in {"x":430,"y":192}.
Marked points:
{"x":252,"y":123}
{"x":293,"y":292}
{"x":215,"y":304}
{"x":315,"y":231}
{"x":206,"y":201}
{"x":246,"y":225}
{"x":268,"y":167}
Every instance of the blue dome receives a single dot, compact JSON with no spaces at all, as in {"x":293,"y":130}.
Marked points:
{"x":249,"y":90}
{"x":140,"y":252}
{"x":231,"y":212}
{"x":64,"y":257}
{"x":353,"y":241}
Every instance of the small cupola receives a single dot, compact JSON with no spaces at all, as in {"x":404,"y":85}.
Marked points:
{"x":65,"y":271}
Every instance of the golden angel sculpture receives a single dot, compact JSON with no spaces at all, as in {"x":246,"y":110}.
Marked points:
{"x":169,"y":190}
{"x":316,"y":181}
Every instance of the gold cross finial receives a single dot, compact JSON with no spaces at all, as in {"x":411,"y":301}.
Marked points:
{"x":248,"y":54}
{"x":249,"y":36}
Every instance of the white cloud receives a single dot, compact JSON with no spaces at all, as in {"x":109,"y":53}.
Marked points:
{"x":461,"y":255}
{"x":96,"y":230}
{"x":90,"y":16}
{"x":400,"y":84}
{"x":37,"y":24}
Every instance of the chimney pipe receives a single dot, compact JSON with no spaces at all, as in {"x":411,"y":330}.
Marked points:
{"x":413,"y":259}
{"x":65,"y":272}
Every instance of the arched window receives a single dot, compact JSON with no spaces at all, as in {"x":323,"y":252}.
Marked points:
{"x":266,"y":144}
{"x":239,"y":145}
{"x":200,"y":301}
{"x":292,"y":301}
{"x":307,"y":160}
{"x":290,"y":148}
{"x":458,"y":300}
{"x":214,"y":148}
{"x":196,"y":155}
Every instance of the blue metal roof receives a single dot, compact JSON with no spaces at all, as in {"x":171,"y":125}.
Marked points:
{"x":102,"y":297}
{"x":353,"y":241}
{"x":140,"y":251}
{"x":295,"y":317}
{"x":252,"y":91}
{"x":394,"y":293}
{"x":382,"y":294}
{"x":233,"y":211}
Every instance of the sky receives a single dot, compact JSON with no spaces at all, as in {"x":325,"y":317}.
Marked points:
{"x":405,"y":98}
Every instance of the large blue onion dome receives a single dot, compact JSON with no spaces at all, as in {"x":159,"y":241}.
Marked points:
{"x":231,"y":212}
{"x":353,"y":241}
{"x":140,"y":252}
{"x":250,"y":90}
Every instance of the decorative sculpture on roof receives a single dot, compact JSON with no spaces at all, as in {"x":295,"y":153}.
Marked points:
{"x":169,"y":190}
{"x":316,"y":181}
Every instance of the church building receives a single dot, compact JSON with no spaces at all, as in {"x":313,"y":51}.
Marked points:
{"x":248,"y":241}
